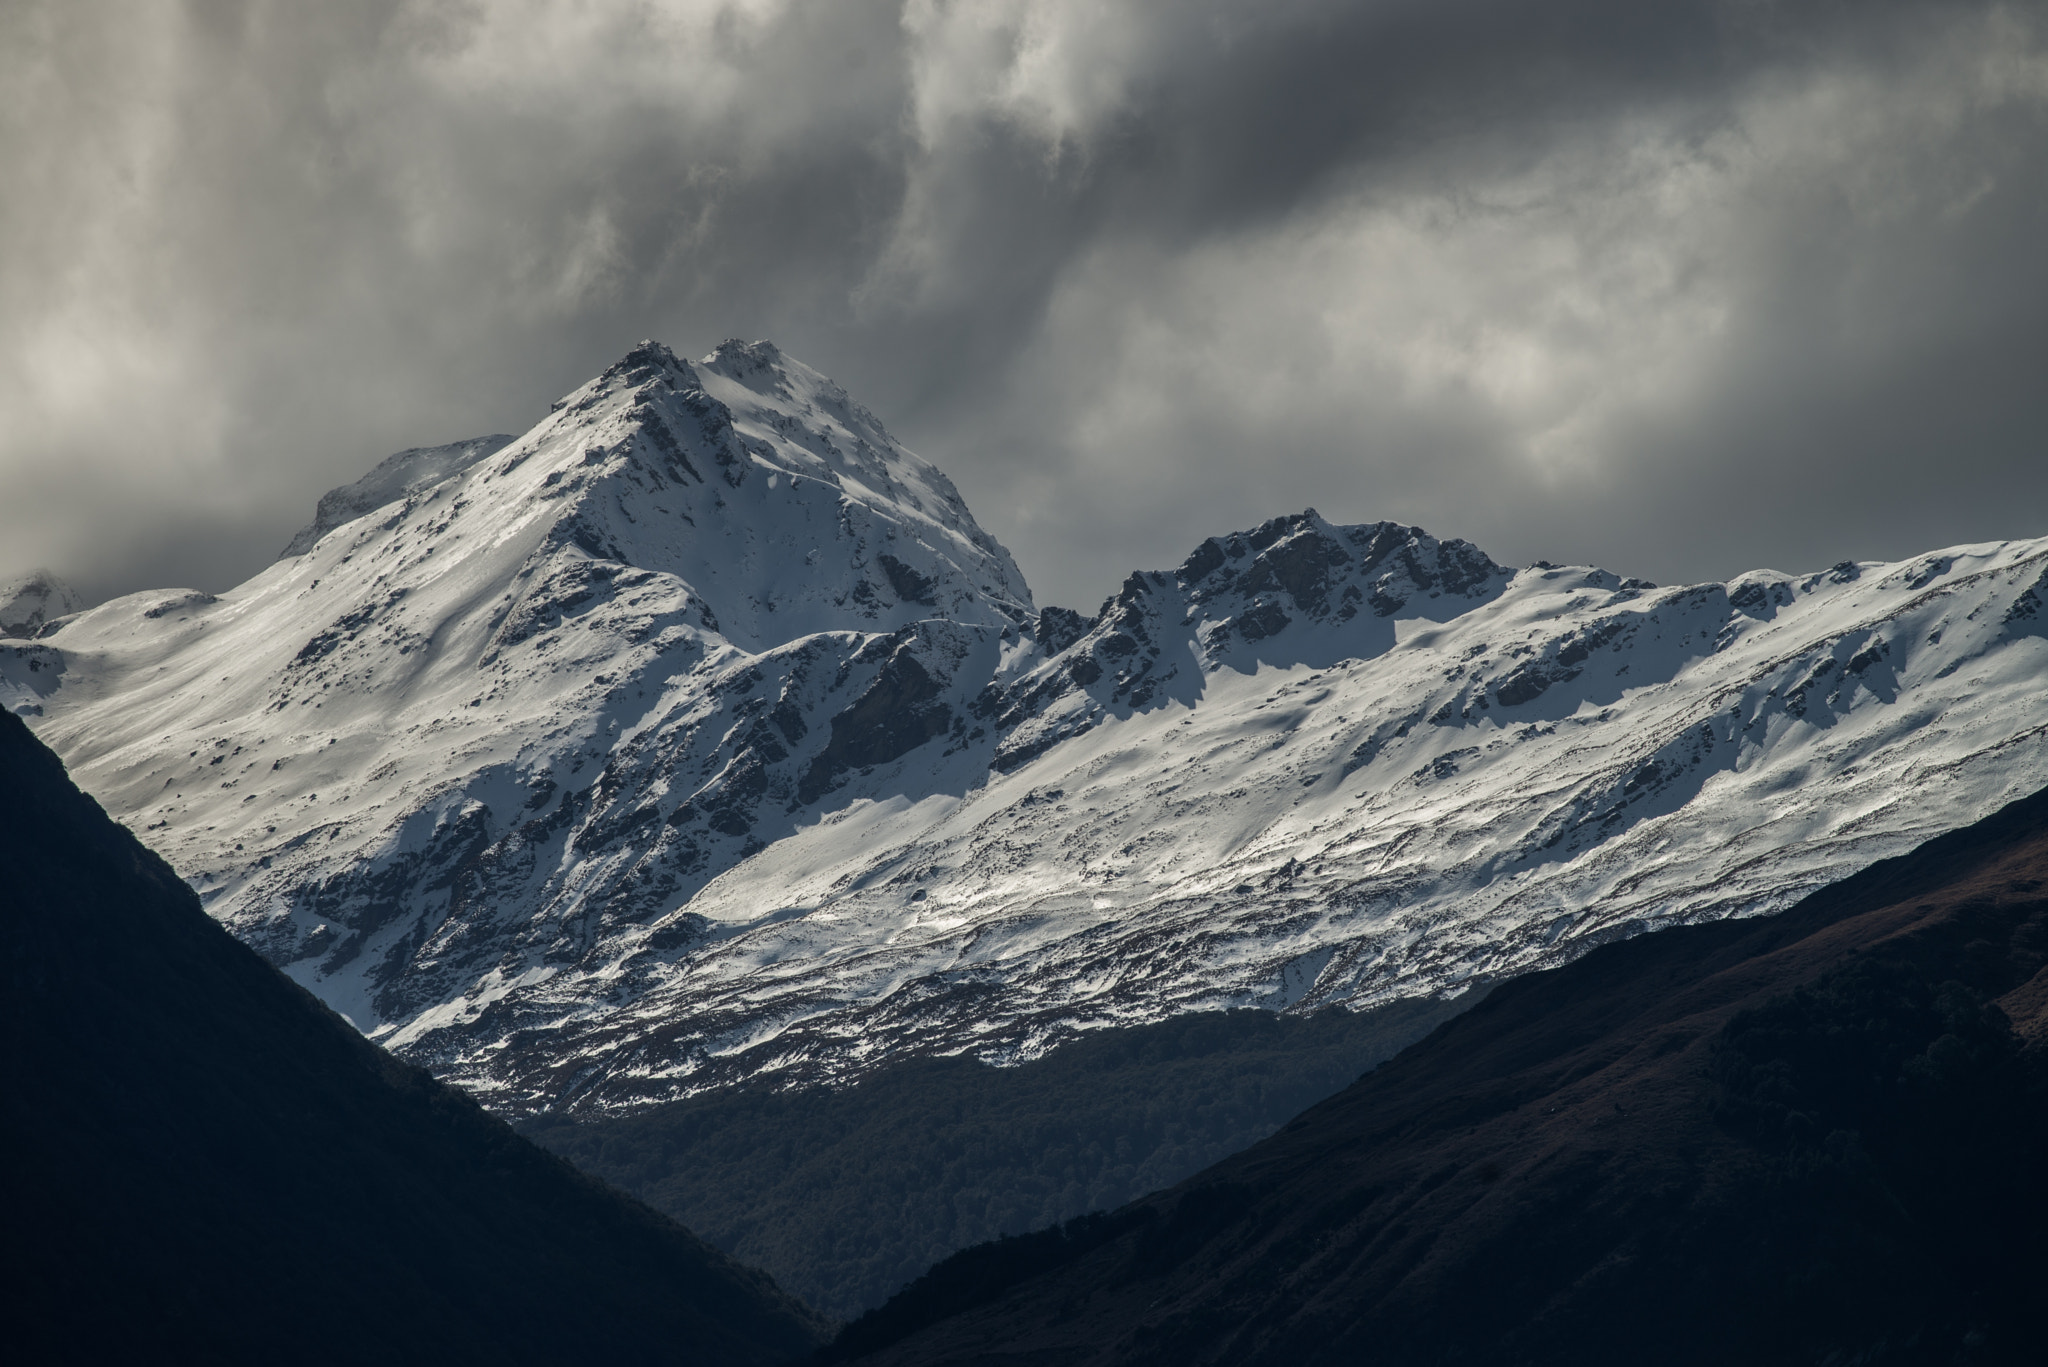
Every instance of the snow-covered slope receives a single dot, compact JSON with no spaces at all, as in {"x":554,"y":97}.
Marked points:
{"x":1498,"y":779}
{"x":395,"y":477}
{"x":31,"y":601}
{"x":701,"y":734}
{"x":471,"y":736}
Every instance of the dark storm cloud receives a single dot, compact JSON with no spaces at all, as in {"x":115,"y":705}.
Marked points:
{"x":1677,"y":288}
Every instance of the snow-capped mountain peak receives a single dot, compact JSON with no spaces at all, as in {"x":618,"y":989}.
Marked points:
{"x":700,"y":733}
{"x":732,"y":577}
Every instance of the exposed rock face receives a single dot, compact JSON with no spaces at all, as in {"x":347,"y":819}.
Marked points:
{"x":1297,"y":591}
{"x":701,"y":732}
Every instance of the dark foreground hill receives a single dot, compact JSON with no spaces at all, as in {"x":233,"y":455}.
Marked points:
{"x":845,"y":1195}
{"x":203,"y":1164}
{"x":1817,"y":1138}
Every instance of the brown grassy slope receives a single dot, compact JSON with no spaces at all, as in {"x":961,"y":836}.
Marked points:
{"x":1762,"y":1141}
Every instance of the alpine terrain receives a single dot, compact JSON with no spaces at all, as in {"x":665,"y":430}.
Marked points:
{"x":701,"y":734}
{"x":29,"y":601}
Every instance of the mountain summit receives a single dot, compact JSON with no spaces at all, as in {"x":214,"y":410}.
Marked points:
{"x":655,"y":602}
{"x":701,"y":733}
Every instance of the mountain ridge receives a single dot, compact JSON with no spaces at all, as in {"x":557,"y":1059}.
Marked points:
{"x":700,"y":734}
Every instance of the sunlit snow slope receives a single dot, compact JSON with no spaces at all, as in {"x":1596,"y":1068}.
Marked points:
{"x":700,"y":733}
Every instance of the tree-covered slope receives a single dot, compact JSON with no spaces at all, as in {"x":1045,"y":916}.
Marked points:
{"x":206,"y":1165}
{"x":845,"y":1195}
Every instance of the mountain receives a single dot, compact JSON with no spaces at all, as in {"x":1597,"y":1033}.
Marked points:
{"x":500,"y":728}
{"x":32,"y":601}
{"x":700,"y":734}
{"x":205,"y":1164}
{"x":1819,"y":1137}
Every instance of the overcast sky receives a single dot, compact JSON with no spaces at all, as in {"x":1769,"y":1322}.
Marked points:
{"x":1677,"y":288}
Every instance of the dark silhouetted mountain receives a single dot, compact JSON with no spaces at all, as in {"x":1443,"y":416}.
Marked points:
{"x":206,"y":1165}
{"x":846,"y":1194}
{"x":1818,"y":1138}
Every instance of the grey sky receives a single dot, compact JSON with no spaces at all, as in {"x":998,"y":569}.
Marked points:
{"x":1680,"y":289}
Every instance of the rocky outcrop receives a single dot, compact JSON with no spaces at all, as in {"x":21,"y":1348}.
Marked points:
{"x":31,"y":602}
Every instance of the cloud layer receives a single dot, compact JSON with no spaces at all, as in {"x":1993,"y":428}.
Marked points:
{"x":1678,"y":289}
